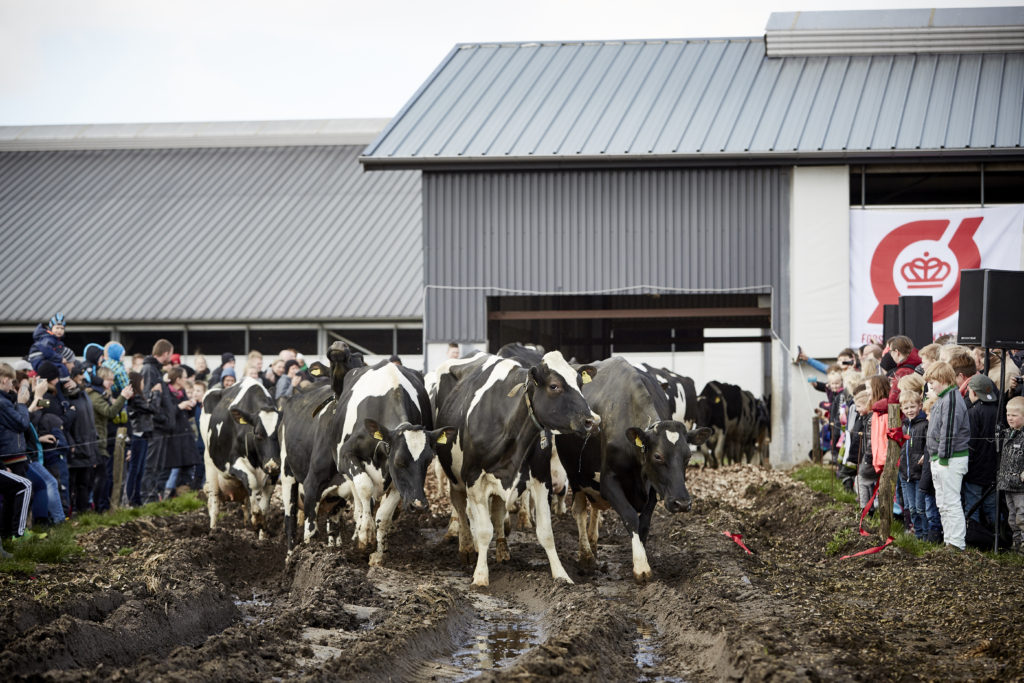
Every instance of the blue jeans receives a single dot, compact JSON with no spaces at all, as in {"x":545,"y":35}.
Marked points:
{"x":917,"y":517}
{"x":136,"y":466}
{"x":931,"y":511}
{"x":972,"y":494}
{"x":921,"y":506}
{"x":58,"y":467}
{"x":45,"y":494}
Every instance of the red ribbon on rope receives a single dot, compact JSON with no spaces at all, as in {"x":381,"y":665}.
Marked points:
{"x":897,"y":435}
{"x":738,"y":538}
{"x":870,"y":551}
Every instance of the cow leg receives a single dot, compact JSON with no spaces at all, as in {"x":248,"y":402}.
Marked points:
{"x":559,"y":482}
{"x":320,"y":472}
{"x":523,"y":511}
{"x":366,"y":528}
{"x":580,"y":504}
{"x":459,"y":509}
{"x":479,"y":514}
{"x":290,"y":503}
{"x":593,"y":527}
{"x":385,"y":515}
{"x":545,"y":534}
{"x":612,"y":491}
{"x":212,"y":489}
{"x":261,"y":501}
{"x":499,"y":513}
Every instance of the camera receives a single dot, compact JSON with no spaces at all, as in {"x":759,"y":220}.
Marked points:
{"x":43,"y":403}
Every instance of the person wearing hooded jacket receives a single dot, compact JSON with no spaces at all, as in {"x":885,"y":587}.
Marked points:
{"x":153,"y":386}
{"x":982,"y":456}
{"x":48,"y":345}
{"x":105,"y":409}
{"x":84,"y":455}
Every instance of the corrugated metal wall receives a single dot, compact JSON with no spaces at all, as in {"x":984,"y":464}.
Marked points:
{"x":576,"y":232}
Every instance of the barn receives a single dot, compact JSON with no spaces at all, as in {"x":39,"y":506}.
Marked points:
{"x":665,"y":197}
{"x":217,"y":236}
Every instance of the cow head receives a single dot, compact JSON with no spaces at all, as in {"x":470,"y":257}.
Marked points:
{"x":556,"y":397}
{"x":256,"y":432}
{"x":410,"y":448}
{"x":663,"y":451}
{"x":342,"y":360}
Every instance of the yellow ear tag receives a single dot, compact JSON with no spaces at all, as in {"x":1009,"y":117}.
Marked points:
{"x":639,"y":443}
{"x":718,"y":399}
{"x":242,"y":421}
{"x":378,"y":436}
{"x":443,"y":439}
{"x":586,"y":378}
{"x":315,"y":371}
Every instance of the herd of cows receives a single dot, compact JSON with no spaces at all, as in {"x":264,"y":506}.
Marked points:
{"x":517,"y":429}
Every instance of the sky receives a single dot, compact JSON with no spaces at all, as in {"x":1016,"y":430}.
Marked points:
{"x":142,"y":61}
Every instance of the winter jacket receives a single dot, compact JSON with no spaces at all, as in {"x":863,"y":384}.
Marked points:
{"x":949,"y":432}
{"x":860,"y":439}
{"x":981,"y":466}
{"x":104,"y":410}
{"x":152,"y":373}
{"x":120,"y":375}
{"x":14,"y":422}
{"x":879,"y":438}
{"x":1012,"y":463}
{"x":45,"y":346}
{"x":85,"y":448}
{"x":175,"y":425}
{"x":914,"y":449}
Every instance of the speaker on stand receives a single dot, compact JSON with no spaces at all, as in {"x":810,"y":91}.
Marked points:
{"x":890,"y":322}
{"x":916,"y":319}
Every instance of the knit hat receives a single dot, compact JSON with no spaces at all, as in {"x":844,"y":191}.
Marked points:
{"x":227,"y":372}
{"x":983,"y":387}
{"x":47,"y":370}
{"x":93,"y":354}
{"x":77,"y":369}
{"x":114,"y":351}
{"x":57,"y":319}
{"x":67,"y":355}
{"x":227,"y":358}
{"x":175,"y":359}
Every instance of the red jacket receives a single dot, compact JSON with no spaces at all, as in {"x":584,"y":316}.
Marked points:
{"x":907,"y":367}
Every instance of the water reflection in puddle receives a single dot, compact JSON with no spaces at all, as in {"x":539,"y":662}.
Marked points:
{"x":499,"y":635}
{"x":646,"y":656}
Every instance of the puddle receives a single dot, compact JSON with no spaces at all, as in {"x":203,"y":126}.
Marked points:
{"x":250,"y":608}
{"x":645,"y":646}
{"x":497,"y":636}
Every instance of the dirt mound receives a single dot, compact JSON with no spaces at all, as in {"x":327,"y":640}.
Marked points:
{"x":162,"y":599}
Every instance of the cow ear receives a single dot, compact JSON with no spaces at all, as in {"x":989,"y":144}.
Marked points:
{"x":587,"y":373}
{"x":444,"y":436}
{"x":240,"y":417}
{"x":375,"y":430}
{"x":696,"y":437}
{"x":537,"y":375}
{"x":637,"y":438}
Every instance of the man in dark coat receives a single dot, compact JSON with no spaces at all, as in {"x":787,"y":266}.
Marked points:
{"x":153,"y":389}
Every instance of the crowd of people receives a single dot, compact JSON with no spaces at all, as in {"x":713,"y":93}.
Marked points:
{"x":958,"y":449}
{"x":104,"y":430}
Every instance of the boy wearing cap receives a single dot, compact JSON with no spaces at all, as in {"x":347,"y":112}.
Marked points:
{"x":48,"y":344}
{"x":1011,"y":469}
{"x":981,"y":460}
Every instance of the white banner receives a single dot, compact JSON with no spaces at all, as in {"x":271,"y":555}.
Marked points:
{"x":921,"y":252}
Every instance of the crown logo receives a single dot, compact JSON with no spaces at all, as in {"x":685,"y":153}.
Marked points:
{"x":925,"y":272}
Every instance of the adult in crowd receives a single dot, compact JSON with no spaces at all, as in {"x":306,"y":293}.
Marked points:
{"x":202,"y":368}
{"x":227,"y":360}
{"x":175,"y":424}
{"x":53,"y":418}
{"x":105,"y":409}
{"x":140,"y":423}
{"x":84,"y":462}
{"x":152,"y":385}
{"x":291,"y":379}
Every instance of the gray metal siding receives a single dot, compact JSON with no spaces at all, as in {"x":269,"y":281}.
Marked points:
{"x":622,"y":231}
{"x":629,"y":101}
{"x":211,"y":234}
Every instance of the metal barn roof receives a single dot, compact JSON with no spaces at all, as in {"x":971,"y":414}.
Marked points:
{"x":650,"y":101}
{"x":297,"y":233}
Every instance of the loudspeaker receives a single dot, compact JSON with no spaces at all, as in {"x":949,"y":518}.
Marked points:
{"x":972,"y":304}
{"x":1003,"y":324}
{"x":989,"y":308}
{"x":890,"y":322}
{"x":916,"y":319}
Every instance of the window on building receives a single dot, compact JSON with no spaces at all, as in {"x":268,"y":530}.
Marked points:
{"x":141,"y":341}
{"x":270,"y":342}
{"x":923,"y":185}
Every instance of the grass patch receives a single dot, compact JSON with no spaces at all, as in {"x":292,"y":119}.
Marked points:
{"x":822,"y":479}
{"x":839,"y":541}
{"x":58,"y":544}
{"x":127,"y":550}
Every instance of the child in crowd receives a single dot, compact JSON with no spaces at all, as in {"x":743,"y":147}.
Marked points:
{"x":860,"y":444}
{"x":915,"y":426}
{"x":948,"y":437}
{"x":879,"y":386}
{"x":929,"y":355}
{"x":926,"y":486}
{"x":982,"y":460}
{"x":1011,"y":470}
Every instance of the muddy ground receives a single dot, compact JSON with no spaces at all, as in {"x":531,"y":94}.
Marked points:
{"x":164,"y":599}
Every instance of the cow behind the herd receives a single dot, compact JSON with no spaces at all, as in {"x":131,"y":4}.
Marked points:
{"x":519,"y":421}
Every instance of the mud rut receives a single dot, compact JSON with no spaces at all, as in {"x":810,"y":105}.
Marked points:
{"x":188,"y":604}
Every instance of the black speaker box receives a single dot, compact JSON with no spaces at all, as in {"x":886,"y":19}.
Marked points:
{"x":972,"y":303}
{"x":890,"y":322}
{"x":916,"y":319}
{"x":990,"y":312}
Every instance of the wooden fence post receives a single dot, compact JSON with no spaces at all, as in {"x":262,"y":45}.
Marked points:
{"x":887,"y":484}
{"x":816,"y":435}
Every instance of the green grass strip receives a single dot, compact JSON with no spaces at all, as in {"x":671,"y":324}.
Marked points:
{"x":58,"y":543}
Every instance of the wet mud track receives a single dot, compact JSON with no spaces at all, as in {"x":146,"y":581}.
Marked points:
{"x":187,"y":604}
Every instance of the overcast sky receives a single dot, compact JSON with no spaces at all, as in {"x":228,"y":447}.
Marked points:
{"x":132,"y":61}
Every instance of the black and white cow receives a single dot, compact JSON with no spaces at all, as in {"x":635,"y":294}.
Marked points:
{"x":681,"y":392}
{"x":239,"y":428}
{"x":378,"y":437}
{"x":500,"y":410}
{"x":731,"y":413}
{"x":640,"y":456}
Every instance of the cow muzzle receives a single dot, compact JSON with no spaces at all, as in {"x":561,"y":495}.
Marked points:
{"x":678,"y":505}
{"x":417,"y":505}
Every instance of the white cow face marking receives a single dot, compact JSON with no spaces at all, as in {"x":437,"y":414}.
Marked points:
{"x":673,"y":437}
{"x":557,"y":364}
{"x":416,"y":441}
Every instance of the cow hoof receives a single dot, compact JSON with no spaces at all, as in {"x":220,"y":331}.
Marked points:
{"x":588,"y":561}
{"x":481,"y":581}
{"x":377,"y":559}
{"x":565,"y":579}
{"x":501,"y":553}
{"x":262,"y":536}
{"x":642,"y":577}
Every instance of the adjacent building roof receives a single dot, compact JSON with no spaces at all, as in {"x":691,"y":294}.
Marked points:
{"x":200,"y":233}
{"x":670,"y":101}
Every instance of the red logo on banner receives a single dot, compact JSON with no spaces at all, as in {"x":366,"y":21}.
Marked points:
{"x":896,"y":256}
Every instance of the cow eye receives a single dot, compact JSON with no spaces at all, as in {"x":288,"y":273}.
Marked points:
{"x":554,"y":387}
